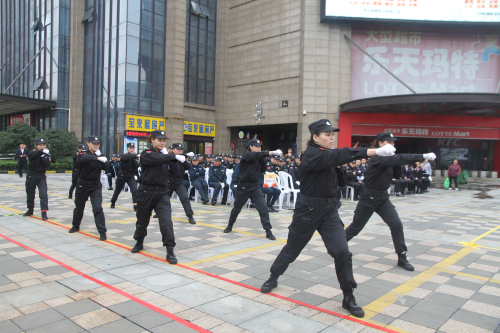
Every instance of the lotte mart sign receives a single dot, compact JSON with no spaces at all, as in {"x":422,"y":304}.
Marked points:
{"x":428,"y":62}
{"x":144,"y":123}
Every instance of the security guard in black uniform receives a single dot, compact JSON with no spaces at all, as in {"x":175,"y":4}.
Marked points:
{"x":89,"y":185}
{"x":229,"y":162}
{"x":251,"y":166}
{"x":129,"y":163}
{"x":316,"y":209}
{"x":375,"y":198}
{"x":295,"y":171}
{"x":197,"y":177}
{"x":281,"y":166}
{"x":153,"y":194}
{"x":177,"y":170}
{"x":74,"y":174}
{"x":352,"y":179}
{"x":39,"y":161}
{"x":217,"y":179}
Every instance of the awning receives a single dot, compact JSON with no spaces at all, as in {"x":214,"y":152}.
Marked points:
{"x":472,"y":104}
{"x":10,"y":104}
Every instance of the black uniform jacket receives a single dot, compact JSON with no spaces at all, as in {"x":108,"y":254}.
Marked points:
{"x":90,"y":166}
{"x":39,"y":162}
{"x":351,"y":176}
{"x":154,"y":167}
{"x":252,"y":164}
{"x":75,"y":163}
{"x":317,"y":170}
{"x":129,"y":162}
{"x":382,"y":169}
{"x":295,"y":172}
{"x":178,"y":169}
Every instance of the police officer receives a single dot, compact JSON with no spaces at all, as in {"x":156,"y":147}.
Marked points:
{"x":153,"y":193}
{"x":316,"y":209}
{"x":197,"y":176}
{"x":272,"y":164}
{"x":237,"y":159}
{"x":74,"y":173}
{"x":281,"y":166}
{"x":91,"y":162}
{"x":352,"y":179}
{"x":251,"y":166}
{"x":39,"y":159}
{"x":295,"y":171}
{"x":177,"y":170}
{"x":217,"y":179}
{"x":201,"y":160}
{"x":129,"y":163}
{"x":375,"y":198}
{"x":272,"y":193}
{"x":229,"y":162}
{"x":114,"y":167}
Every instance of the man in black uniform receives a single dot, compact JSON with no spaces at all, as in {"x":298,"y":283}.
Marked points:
{"x":352,"y":179}
{"x":197,"y":176}
{"x":251,"y":166}
{"x":217,"y":179}
{"x":114,"y":168}
{"x":201,"y":160}
{"x":74,"y":174}
{"x":237,"y":159}
{"x":129,"y":163}
{"x":229,"y":162}
{"x":375,"y":198}
{"x":21,"y":153}
{"x":39,"y":162}
{"x":295,"y":171}
{"x":317,"y":209}
{"x":89,"y":185}
{"x":281,"y":166}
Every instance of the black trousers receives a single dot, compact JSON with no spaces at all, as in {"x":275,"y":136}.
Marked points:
{"x":400,"y":185}
{"x":255,"y":194}
{"x":217,"y":187}
{"x":74,"y":179}
{"x":411,"y":185}
{"x":120,"y":183}
{"x":177,"y":186}
{"x":160,"y":202}
{"x":379,"y":203}
{"x":425,"y":184}
{"x":358,"y":188}
{"x":453,"y":179}
{"x":202,"y":187}
{"x":308,"y":218}
{"x":22,"y":163}
{"x":82,"y":193}
{"x":32,"y":182}
{"x":418,"y":184}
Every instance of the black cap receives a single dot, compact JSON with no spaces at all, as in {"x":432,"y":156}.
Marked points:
{"x":177,"y":146}
{"x":38,"y":141}
{"x":218,"y":158}
{"x":298,"y":156}
{"x":281,"y":159}
{"x":237,"y":157}
{"x":231,"y":156}
{"x":130,"y":144}
{"x":116,"y":155}
{"x":93,"y":139}
{"x":219,"y":154}
{"x":354,"y":162}
{"x":322,"y":125}
{"x":170,"y":147}
{"x":226,"y":155}
{"x":158,"y":134}
{"x":385,"y":136}
{"x":254,"y":142}
{"x":81,"y":146}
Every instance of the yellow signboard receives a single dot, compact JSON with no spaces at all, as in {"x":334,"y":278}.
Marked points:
{"x":144,"y":123}
{"x":200,"y":129}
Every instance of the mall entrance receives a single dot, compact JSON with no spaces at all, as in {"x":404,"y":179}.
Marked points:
{"x":279,"y":136}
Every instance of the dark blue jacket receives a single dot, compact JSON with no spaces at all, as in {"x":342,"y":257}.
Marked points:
{"x":236,"y":172}
{"x":217,"y":174}
{"x":196,"y":172}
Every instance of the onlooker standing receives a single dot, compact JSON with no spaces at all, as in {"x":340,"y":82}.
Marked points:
{"x":486,"y":164}
{"x":453,"y":171}
{"x":21,"y":159}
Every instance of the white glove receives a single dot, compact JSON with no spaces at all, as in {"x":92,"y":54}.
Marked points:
{"x":222,"y":186}
{"x":102,"y":159}
{"x":190,"y":154}
{"x":387,"y":150}
{"x":46,"y":151}
{"x":164,"y":151}
{"x":235,"y":186}
{"x":180,"y":158}
{"x":98,"y":152}
{"x":297,"y":182}
{"x":430,"y":156}
{"x":278,"y":152}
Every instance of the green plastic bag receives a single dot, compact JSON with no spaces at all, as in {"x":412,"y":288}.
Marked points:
{"x":447,"y":182}
{"x":466,"y":174}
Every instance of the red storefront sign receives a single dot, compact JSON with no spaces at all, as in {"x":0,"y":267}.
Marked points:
{"x":21,"y":118}
{"x":428,"y":131}
{"x":232,"y":146}
{"x":135,"y":133}
{"x":208,"y":148}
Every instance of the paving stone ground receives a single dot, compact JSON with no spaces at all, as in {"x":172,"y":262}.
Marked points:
{"x":455,"y":287}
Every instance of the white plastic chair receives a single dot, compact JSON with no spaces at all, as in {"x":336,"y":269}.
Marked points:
{"x":287,"y":183}
{"x":350,"y":192}
{"x":104,"y":180}
{"x":282,"y":185}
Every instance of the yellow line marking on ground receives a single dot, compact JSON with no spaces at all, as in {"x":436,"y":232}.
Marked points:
{"x":477,"y":277}
{"x":473,"y":243}
{"x":394,"y":295}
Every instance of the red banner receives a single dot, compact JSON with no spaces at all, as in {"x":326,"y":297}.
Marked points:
{"x":21,"y":118}
{"x":208,"y":148}
{"x":428,"y":131}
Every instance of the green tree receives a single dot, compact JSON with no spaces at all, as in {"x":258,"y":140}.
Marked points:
{"x":60,"y":142}
{"x":16,"y":134}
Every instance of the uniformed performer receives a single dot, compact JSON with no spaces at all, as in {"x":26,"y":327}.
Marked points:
{"x":217,"y":179}
{"x":129,"y":163}
{"x":39,"y":161}
{"x":74,"y":173}
{"x":251,"y":166}
{"x":153,"y":193}
{"x":316,"y":209}
{"x":91,"y":162}
{"x":375,"y":198}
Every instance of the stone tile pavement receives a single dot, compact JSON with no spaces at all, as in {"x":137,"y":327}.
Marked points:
{"x":76,"y":283}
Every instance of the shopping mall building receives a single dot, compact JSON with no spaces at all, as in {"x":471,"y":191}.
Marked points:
{"x":215,"y":73}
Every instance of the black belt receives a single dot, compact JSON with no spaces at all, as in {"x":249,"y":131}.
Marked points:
{"x":125,"y":173}
{"x":316,"y":201}
{"x":36,"y":173}
{"x":374,"y":192}
{"x":175,"y":180}
{"x":247,"y":184}
{"x":88,"y":182}
{"x":152,"y":188}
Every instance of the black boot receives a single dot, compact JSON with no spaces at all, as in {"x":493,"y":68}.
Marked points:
{"x":44,"y":216}
{"x":171,"y":256}
{"x":103,"y":236}
{"x":138,"y":246}
{"x":272,"y":209}
{"x":112,"y":205}
{"x":74,"y":229}
{"x":29,"y":212}
{"x":191,"y":220}
{"x":229,"y":228}
{"x":270,"y":284}
{"x":135,"y":208}
{"x":403,"y":262}
{"x":270,"y":235}
{"x":205,"y":201}
{"x":349,"y":303}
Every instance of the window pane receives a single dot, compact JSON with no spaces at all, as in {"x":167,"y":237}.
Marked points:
{"x":121,"y":79}
{"x":193,"y":35}
{"x":210,"y":87}
{"x":201,"y":67}
{"x":193,"y":58}
{"x":158,"y":58}
{"x":159,"y":23}
{"x":134,"y":11}
{"x":146,"y":73}
{"x":192,"y":96}
{"x":158,"y":91}
{"x":145,"y":104}
{"x":210,"y":100}
{"x":131,"y":103}
{"x":158,"y":107}
{"x":133,"y":50}
{"x":194,"y":20}
{"x":158,"y":76}
{"x":132,"y":80}
{"x":147,"y":19}
{"x":146,"y":53}
{"x":203,"y":37}
{"x":159,"y":37}
{"x":192,"y":83}
{"x":147,"y":5}
{"x":211,"y":69}
{"x":133,"y":30}
{"x":147,"y":34}
{"x":211,"y":39}
{"x":211,"y":26}
{"x":160,"y":8}
{"x":200,"y":98}
{"x":146,"y":88}
{"x":201,"y":85}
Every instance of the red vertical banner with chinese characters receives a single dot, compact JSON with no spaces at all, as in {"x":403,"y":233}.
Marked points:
{"x":232,"y":146}
{"x":428,"y":62}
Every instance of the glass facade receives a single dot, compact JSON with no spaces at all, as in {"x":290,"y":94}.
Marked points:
{"x":124,"y":65}
{"x":26,"y":27}
{"x":199,"y":77}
